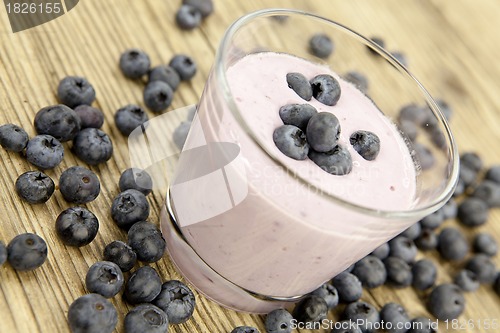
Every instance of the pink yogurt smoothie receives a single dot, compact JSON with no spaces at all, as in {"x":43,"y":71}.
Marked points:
{"x":285,"y":233}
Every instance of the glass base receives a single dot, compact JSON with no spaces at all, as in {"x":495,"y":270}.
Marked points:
{"x":207,"y":281}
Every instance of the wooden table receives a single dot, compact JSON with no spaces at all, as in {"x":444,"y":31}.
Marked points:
{"x":453,"y":47}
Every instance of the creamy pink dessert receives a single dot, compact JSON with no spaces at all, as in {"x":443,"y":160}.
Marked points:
{"x":270,"y":224}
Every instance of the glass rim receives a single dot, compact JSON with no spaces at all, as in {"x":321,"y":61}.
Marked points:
{"x":221,"y":80}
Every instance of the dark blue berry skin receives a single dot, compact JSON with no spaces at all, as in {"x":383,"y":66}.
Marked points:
{"x":205,"y":7}
{"x":467,"y":175}
{"x":300,"y":84}
{"x":44,"y":151}
{"x":59,"y":121}
{"x":129,"y":118}
{"x":485,"y":243}
{"x":310,"y":309}
{"x":184,"y":66}
{"x":79,"y":185}
{"x":321,"y":45}
{"x":337,"y":161}
{"x":424,"y":156}
{"x":489,"y":192}
{"x":27,"y":252}
{"x":359,"y":80}
{"x":245,"y":329}
{"x":421,"y":325}
{"x":329,"y":294}
{"x":483,"y":267}
{"x":433,"y":221}
{"x":146,"y":318}
{"x":452,"y":244}
{"x":472,"y":161}
{"x":348,"y":287}
{"x":413,"y":231}
{"x":377,"y":40}
{"x":92,"y":146}
{"x":467,"y":280}
{"x":323,"y":131}
{"x":158,"y":96}
{"x":121,"y":254}
{"x":399,"y":273}
{"x":427,"y":240}
{"x":493,"y":174}
{"x":279,"y":321}
{"x":135,"y":179}
{"x":346,"y":326}
{"x":445,"y":108}
{"x":297,"y":114}
{"x":459,"y":189}
{"x":129,"y":207}
{"x":104,"y":278}
{"x":180,"y":134}
{"x":177,"y":300}
{"x":75,"y":90}
{"x":325,"y":89}
{"x":413,"y":113}
{"x":3,"y":253}
{"x":89,"y":116}
{"x":147,"y":241}
{"x":424,"y":274}
{"x":473,"y":212}
{"x":403,"y":248}
{"x":92,"y":313}
{"x":446,"y":301}
{"x":370,"y":271}
{"x":188,"y":17}
{"x":450,"y":209}
{"x":382,"y":251}
{"x":291,"y":141}
{"x":401,"y":57}
{"x":13,"y":138}
{"x":134,"y":63}
{"x":408,"y":129}
{"x":364,"y":313}
{"x":143,"y":285}
{"x":166,"y":74}
{"x":366,"y":143}
{"x":34,"y":187}
{"x":396,"y":315}
{"x":76,"y":226}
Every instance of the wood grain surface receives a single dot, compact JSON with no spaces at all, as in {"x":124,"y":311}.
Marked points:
{"x":453,"y":47}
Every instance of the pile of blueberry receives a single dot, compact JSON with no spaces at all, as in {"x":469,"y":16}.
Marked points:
{"x":309,"y":133}
{"x":192,"y":12}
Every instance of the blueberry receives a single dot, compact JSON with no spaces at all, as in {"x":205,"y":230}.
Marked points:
{"x":377,"y":40}
{"x":44,"y":151}
{"x":399,"y":273}
{"x":489,"y":192}
{"x":297,"y":114}
{"x":180,"y":134}
{"x":445,"y":108}
{"x":89,"y":116}
{"x":59,"y":121}
{"x":205,"y":7}
{"x":147,"y":241}
{"x":366,"y":143}
{"x":364,"y":313}
{"x":483,"y":267}
{"x":77,"y":226}
{"x":177,"y":300}
{"x":129,"y":118}
{"x":329,"y":294}
{"x":370,"y":271}
{"x":299,"y":83}
{"x":337,"y":161}
{"x":401,"y":57}
{"x":450,"y":209}
{"x":136,"y":179}
{"x":493,"y":174}
{"x":446,"y":302}
{"x":485,"y":243}
{"x":143,"y":285}
{"x":158,"y":96}
{"x":104,"y":278}
{"x":427,"y":240}
{"x":27,"y":252}
{"x":92,"y":146}
{"x":421,"y":325}
{"x":321,"y":45}
{"x":279,"y":321}
{"x":184,"y":66}
{"x":473,"y":212}
{"x":403,"y":248}
{"x":79,"y":185}
{"x":460,"y":188}
{"x":146,"y":318}
{"x":472,"y":161}
{"x":433,"y":220}
{"x":382,"y":251}
{"x":291,"y":141}
{"x":245,"y":329}
{"x":408,"y":129}
{"x":438,"y":138}
{"x":129,"y":207}
{"x":75,"y":90}
{"x":413,"y":113}
{"x":188,"y":17}
{"x":346,"y":326}
{"x":348,"y":287}
{"x":467,"y":175}
{"x":413,"y":231}
{"x":92,"y":313}
{"x":166,"y":74}
{"x":3,"y":253}
{"x":121,"y":254}
{"x":395,"y":317}
{"x":34,"y":187}
{"x":466,"y":280}
{"x":325,"y":89}
{"x":424,"y":274}
{"x":310,"y":309}
{"x":134,"y":63}
{"x":323,"y":131}
{"x":424,"y":156}
{"x":13,"y":138}
{"x":452,"y":244}
{"x":359,"y":80}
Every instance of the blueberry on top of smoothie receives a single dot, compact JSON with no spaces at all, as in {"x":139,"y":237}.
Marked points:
{"x":300,"y":85}
{"x":297,"y":114}
{"x":366,"y":143}
{"x":323,"y":131}
{"x":326,"y":89}
{"x":291,"y":141}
